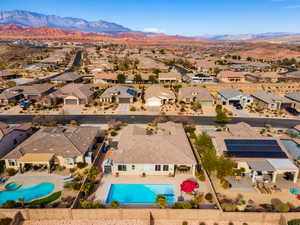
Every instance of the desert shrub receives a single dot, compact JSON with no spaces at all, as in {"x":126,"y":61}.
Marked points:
{"x":185,"y":223}
{"x":189,"y":129}
{"x":230,"y":223}
{"x":10,"y":171}
{"x":225,"y":184}
{"x":115,"y":204}
{"x":80,"y":165}
{"x":179,"y":205}
{"x":201,"y":177}
{"x":245,"y":223}
{"x":228,"y":207}
{"x":294,"y":222}
{"x":113,"y":133}
{"x":282,"y":207}
{"x":202,"y":223}
{"x":73,"y":123}
{"x":208,"y":197}
{"x":5,"y":221}
{"x":132,"y":108}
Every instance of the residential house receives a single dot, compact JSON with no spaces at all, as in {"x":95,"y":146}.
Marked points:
{"x":173,"y":76}
{"x":196,"y":94}
{"x":271,"y":77}
{"x":202,"y":78}
{"x":51,"y":146}
{"x":163,"y":150}
{"x":156,"y":96}
{"x":11,"y":136}
{"x":231,"y":77}
{"x":7,"y":97}
{"x":262,"y":158}
{"x":103,"y":78}
{"x":271,"y":101}
{"x":34,"y":91}
{"x":71,"y":94}
{"x":67,"y":77}
{"x":231,"y":96}
{"x":119,"y":94}
{"x":294,"y":96}
{"x":8,"y":76}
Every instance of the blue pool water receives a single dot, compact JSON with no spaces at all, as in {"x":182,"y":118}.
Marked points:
{"x":293,"y":148}
{"x":28,"y":192}
{"x":12,"y":186}
{"x":139,"y":193}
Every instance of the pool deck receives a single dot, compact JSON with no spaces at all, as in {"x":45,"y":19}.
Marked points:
{"x":107,"y":180}
{"x":34,"y":178}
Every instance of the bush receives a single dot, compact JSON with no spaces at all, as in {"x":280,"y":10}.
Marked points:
{"x":282,"y":207}
{"x":80,"y":165}
{"x":5,"y":221}
{"x":225,"y":184}
{"x":230,"y":223}
{"x":132,"y":109}
{"x":228,"y":207}
{"x":10,"y":171}
{"x":201,"y":177}
{"x":202,"y":223}
{"x":208,"y":197}
{"x":113,"y":133}
{"x":185,"y":223}
{"x":115,"y":204}
{"x":180,"y":205}
{"x":294,"y":222}
{"x":9,"y":204}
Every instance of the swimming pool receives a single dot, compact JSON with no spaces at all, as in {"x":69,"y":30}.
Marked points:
{"x":28,"y":192}
{"x":292,"y":148}
{"x":139,"y":193}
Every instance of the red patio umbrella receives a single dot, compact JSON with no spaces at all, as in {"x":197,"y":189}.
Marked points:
{"x":188,"y":185}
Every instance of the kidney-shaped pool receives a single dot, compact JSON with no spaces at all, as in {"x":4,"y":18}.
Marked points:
{"x":27,"y":192}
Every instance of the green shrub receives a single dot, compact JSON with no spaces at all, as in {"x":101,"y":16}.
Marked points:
{"x":113,"y":133}
{"x":208,"y":197}
{"x":80,"y":165}
{"x":115,"y":204}
{"x":10,"y":204}
{"x":180,"y":205}
{"x":294,"y":222}
{"x":202,"y":177}
{"x":10,"y":171}
{"x":5,"y":221}
{"x":228,"y":207}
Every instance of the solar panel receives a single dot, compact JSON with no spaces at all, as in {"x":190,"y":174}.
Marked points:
{"x":254,"y":149}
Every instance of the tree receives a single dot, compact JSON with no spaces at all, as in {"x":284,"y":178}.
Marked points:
{"x":152,"y":79}
{"x":87,"y":188}
{"x":160,"y":201}
{"x":121,"y":78}
{"x":225,"y":167}
{"x":221,"y":116}
{"x":138,"y":78}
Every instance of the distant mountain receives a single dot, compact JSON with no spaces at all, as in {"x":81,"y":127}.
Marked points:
{"x":31,"y":19}
{"x":248,"y":37}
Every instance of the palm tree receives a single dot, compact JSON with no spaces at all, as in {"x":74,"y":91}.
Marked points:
{"x":160,"y":201}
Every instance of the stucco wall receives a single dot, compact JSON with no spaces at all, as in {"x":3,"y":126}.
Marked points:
{"x":141,"y":168}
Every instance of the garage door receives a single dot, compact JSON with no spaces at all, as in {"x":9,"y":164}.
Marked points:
{"x":71,"y":102}
{"x":124,"y":100}
{"x":231,"y":102}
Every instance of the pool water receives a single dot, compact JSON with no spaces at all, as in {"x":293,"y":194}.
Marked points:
{"x":12,"y":186}
{"x":293,"y":148}
{"x":139,"y":193}
{"x":28,"y":192}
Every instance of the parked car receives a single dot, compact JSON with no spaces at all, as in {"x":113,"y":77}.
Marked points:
{"x":238,"y":106}
{"x":25,"y":104}
{"x":293,"y":111}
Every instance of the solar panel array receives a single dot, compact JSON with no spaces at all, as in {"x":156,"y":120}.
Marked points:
{"x":254,"y":149}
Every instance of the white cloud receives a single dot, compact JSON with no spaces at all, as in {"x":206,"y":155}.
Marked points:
{"x":153,"y":30}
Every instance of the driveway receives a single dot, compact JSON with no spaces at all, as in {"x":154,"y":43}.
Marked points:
{"x":239,"y":113}
{"x":122,"y":107}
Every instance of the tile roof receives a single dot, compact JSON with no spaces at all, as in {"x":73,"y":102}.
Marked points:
{"x":159,"y":92}
{"x":269,"y":97}
{"x":230,"y":93}
{"x":67,"y":76}
{"x":202,"y":94}
{"x":77,"y":90}
{"x":167,"y":145}
{"x":67,"y":142}
{"x":119,"y":90}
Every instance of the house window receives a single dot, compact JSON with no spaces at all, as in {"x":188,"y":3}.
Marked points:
{"x":133,"y":167}
{"x":12,"y":162}
{"x":157,"y":167}
{"x":122,"y":168}
{"x":166,"y":168}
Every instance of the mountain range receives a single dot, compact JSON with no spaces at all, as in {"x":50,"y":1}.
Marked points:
{"x":32,"y":19}
{"x":20,"y":22}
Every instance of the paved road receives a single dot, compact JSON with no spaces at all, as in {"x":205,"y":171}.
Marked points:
{"x":239,"y":113}
{"x":132,"y":119}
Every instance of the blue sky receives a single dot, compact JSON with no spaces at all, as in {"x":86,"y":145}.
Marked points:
{"x":183,"y":17}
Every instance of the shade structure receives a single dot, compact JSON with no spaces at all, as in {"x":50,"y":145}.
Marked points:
{"x":188,"y":186}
